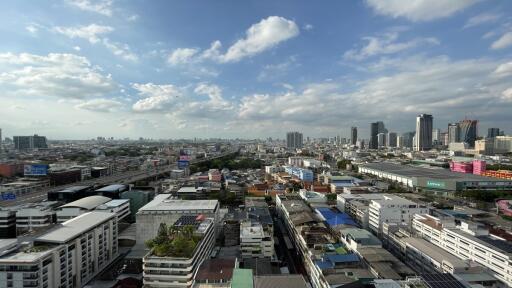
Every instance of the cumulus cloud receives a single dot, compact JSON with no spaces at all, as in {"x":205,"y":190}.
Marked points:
{"x":419,"y":10}
{"x":103,"y":7}
{"x":59,"y":75}
{"x":100,"y":105}
{"x":504,"y":69}
{"x":155,"y":97}
{"x":481,"y":19}
{"x":507,"y":95}
{"x":386,"y":44}
{"x":503,"y":42}
{"x":121,"y":50}
{"x":90,"y":32}
{"x":262,"y":36}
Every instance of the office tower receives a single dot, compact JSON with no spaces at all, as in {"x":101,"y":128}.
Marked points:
{"x":375,"y":129}
{"x":468,"y":131}
{"x":443,"y":139}
{"x":408,"y":139}
{"x":453,"y":133}
{"x":436,"y":136}
{"x":491,"y":132}
{"x":423,"y":132}
{"x":399,"y":141}
{"x":293,"y":140}
{"x":353,"y":135}
{"x":381,"y":140}
{"x":391,"y":140}
{"x":30,"y":142}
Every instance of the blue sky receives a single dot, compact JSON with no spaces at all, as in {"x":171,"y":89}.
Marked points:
{"x":77,"y":69}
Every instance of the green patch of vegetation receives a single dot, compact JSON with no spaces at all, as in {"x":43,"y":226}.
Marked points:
{"x":506,"y":217}
{"x":80,"y":157}
{"x":174,"y":242}
{"x":495,"y":167}
{"x":229,"y":161}
{"x":131,"y":151}
{"x":342,"y":164}
{"x":36,"y":249}
{"x":485,"y":196}
{"x":331,"y":197}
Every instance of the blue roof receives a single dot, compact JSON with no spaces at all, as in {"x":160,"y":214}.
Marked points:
{"x":334,"y":218}
{"x":330,"y":260}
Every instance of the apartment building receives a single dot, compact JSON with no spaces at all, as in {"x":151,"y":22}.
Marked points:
{"x":68,"y":256}
{"x":35,"y":216}
{"x":120,"y":207}
{"x":174,"y":271}
{"x":80,"y":206}
{"x":393,"y":209}
{"x":255,"y":242}
{"x":468,"y":241}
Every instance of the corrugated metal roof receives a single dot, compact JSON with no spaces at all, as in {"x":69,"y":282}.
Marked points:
{"x":88,"y":203}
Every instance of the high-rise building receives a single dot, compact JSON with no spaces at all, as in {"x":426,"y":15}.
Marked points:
{"x":391,"y":140}
{"x":30,"y":142}
{"x":436,"y":136}
{"x":453,"y":133}
{"x":423,"y":132}
{"x":407,"y":139}
{"x":353,"y":135}
{"x":375,"y":129}
{"x":294,"y":140}
{"x":468,"y":131}
{"x":491,"y":132}
{"x":381,"y":140}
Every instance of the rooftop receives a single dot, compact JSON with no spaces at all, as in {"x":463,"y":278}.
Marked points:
{"x":281,"y":281}
{"x":433,"y":251}
{"x":87,"y":203}
{"x":242,"y":278}
{"x":114,"y":203}
{"x":216,"y":269}
{"x":162,"y":203}
{"x":74,"y":189}
{"x":112,"y":188}
{"x":334,"y":217}
{"x":75,"y":227}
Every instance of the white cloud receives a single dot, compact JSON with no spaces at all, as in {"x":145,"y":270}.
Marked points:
{"x":419,"y":10}
{"x":386,"y":44}
{"x":155,"y":97}
{"x":504,"y":70}
{"x":507,"y":95}
{"x":59,"y":75}
{"x":32,"y":28}
{"x":216,"y":101}
{"x":100,"y":105}
{"x":275,"y":71}
{"x":503,"y":42}
{"x":133,"y":18}
{"x":480,"y":19}
{"x":182,"y":55}
{"x":121,"y":50}
{"x":91,"y":32}
{"x":308,"y":27}
{"x":260,"y":37}
{"x":77,"y":48}
{"x":103,"y":7}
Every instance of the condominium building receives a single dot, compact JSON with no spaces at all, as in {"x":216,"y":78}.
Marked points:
{"x":35,"y":216}
{"x":68,"y":256}
{"x":178,"y":271}
{"x":294,"y":140}
{"x":392,"y":209}
{"x":165,"y":209}
{"x":468,"y":241}
{"x":423,"y":132}
{"x":78,"y":207}
{"x":255,"y":242}
{"x":29,"y":142}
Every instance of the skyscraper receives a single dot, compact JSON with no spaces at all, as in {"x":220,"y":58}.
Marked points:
{"x":436,"y":136}
{"x":381,"y":140}
{"x":391,"y":139}
{"x":375,"y":129}
{"x":293,"y":140}
{"x":491,"y":132}
{"x":353,"y":135}
{"x":423,"y":132}
{"x":407,"y":139}
{"x":468,"y":131}
{"x":453,"y":133}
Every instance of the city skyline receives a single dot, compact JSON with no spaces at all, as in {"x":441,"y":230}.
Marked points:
{"x":81,"y":69}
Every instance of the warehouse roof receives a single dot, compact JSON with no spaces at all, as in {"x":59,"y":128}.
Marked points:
{"x":87,"y":203}
{"x":163,"y":203}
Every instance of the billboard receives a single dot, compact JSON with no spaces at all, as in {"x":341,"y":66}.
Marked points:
{"x":8,"y":196}
{"x":182,"y":164}
{"x":35,"y":170}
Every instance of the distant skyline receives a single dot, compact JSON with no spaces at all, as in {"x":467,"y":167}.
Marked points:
{"x":77,"y":69}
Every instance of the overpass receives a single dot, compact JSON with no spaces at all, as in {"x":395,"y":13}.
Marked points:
{"x":122,"y":178}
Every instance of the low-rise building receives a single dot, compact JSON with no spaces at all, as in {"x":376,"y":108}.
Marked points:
{"x":78,"y":207}
{"x":255,"y":242}
{"x":120,"y":207}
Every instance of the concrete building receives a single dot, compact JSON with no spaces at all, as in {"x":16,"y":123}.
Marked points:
{"x":381,"y":140}
{"x":174,"y":271}
{"x":7,"y":223}
{"x":468,"y":131}
{"x":35,"y":216}
{"x":255,"y":242}
{"x":165,"y":209}
{"x":467,"y":241}
{"x":70,"y":255}
{"x":423,"y":136}
{"x":29,"y":142}
{"x":393,"y":209}
{"x":493,"y":132}
{"x":120,"y":207}
{"x":391,"y":140}
{"x":294,"y":140}
{"x":453,"y":133}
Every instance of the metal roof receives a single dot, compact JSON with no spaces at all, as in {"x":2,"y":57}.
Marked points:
{"x":87,"y":203}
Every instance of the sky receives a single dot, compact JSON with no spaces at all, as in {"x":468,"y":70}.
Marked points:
{"x":78,"y":69}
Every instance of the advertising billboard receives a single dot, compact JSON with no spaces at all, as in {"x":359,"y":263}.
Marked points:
{"x":35,"y":170}
{"x":8,"y":196}
{"x":182,"y":164}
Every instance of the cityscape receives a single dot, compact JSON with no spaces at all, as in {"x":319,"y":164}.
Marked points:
{"x":256,"y":144}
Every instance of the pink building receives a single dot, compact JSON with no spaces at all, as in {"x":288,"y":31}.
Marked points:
{"x":214,"y":175}
{"x":479,"y":167}
{"x":474,"y":167}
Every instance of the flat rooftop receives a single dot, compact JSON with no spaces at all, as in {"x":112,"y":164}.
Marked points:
{"x":74,"y":189}
{"x":163,"y":203}
{"x":112,"y":188}
{"x":433,"y":251}
{"x":114,"y":203}
{"x":437,"y":173}
{"x":75,"y":227}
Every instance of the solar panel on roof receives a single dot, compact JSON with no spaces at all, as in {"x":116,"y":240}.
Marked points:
{"x":441,"y":281}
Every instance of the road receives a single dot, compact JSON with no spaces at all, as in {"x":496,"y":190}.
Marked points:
{"x":122,"y":178}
